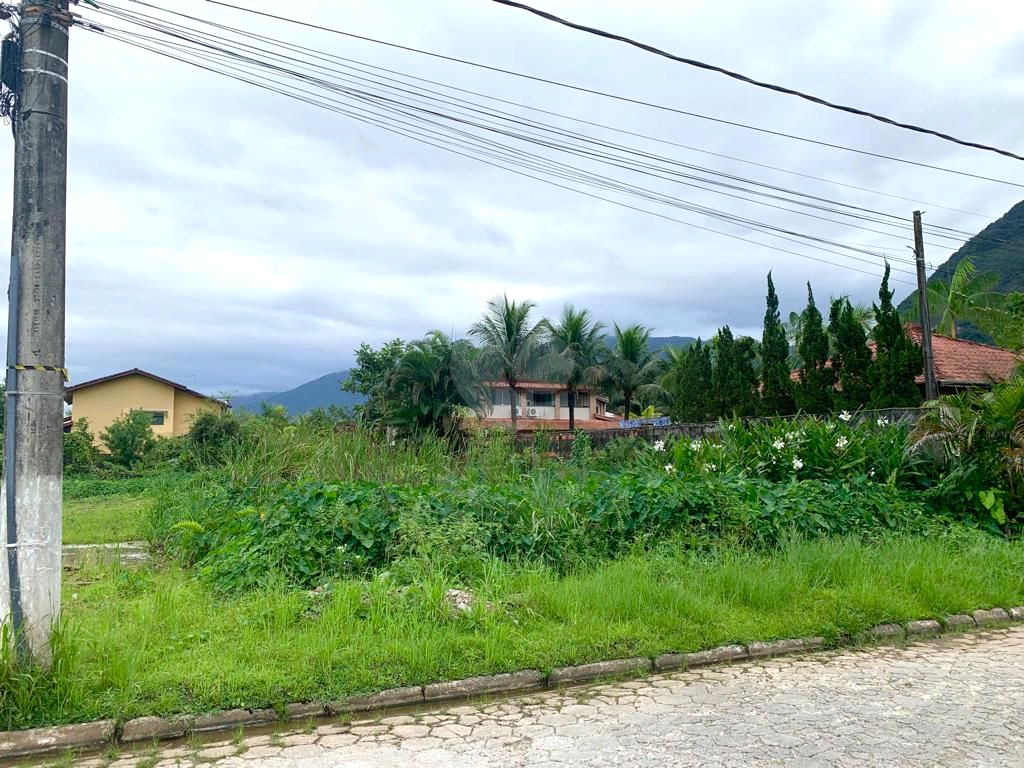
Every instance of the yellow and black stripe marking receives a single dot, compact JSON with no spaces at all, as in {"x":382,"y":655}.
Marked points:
{"x":62,"y":371}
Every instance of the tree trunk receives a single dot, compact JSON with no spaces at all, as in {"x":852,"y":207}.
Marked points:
{"x":628,"y":395}
{"x":514,"y":399}
{"x":572,"y":410}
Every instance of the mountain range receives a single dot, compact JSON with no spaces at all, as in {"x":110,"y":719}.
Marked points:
{"x":326,"y":390}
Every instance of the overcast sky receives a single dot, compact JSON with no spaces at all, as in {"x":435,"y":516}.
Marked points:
{"x":234,"y":240}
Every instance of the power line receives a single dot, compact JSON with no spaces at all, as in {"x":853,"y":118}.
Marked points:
{"x":453,"y":102}
{"x":633,"y":166}
{"x":506,"y":159}
{"x":759,"y":83}
{"x":605,"y":94}
{"x":356,"y":64}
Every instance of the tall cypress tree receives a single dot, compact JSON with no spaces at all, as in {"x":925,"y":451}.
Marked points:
{"x":734,"y":378}
{"x":687,"y":379}
{"x":777,"y":386}
{"x":814,"y":393}
{"x":898,"y":360}
{"x":851,"y":356}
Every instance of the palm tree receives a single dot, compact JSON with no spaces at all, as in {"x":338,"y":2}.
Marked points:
{"x":579,"y":343}
{"x":980,"y":423}
{"x":433,"y":382}
{"x":632,"y":368}
{"x":966,"y":296}
{"x":510,"y":343}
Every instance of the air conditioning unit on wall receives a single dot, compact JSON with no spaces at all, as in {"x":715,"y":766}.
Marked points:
{"x":533,"y":412}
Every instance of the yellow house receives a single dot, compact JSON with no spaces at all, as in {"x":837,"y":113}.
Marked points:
{"x":170,"y":405}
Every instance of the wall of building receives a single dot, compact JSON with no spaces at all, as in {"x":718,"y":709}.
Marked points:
{"x":529,"y":407}
{"x":186,"y":406}
{"x":103,"y":403}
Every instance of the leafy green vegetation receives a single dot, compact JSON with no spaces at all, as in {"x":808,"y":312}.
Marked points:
{"x":105,"y":519}
{"x":299,"y":562}
{"x":160,"y":642}
{"x":303,"y":510}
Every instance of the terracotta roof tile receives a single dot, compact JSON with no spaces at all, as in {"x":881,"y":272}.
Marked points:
{"x":959,"y":361}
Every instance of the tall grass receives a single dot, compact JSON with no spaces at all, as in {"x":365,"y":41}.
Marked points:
{"x":270,"y":453}
{"x":160,"y":642}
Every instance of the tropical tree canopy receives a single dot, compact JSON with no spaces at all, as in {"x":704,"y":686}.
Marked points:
{"x":965,"y":296}
{"x":431,"y":387}
{"x":632,"y":369}
{"x":511,"y":344}
{"x":578,"y":342}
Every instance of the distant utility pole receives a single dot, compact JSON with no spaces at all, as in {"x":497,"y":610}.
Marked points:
{"x":931,"y":392}
{"x":33,"y":440}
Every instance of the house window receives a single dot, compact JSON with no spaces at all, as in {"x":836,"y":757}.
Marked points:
{"x":501,"y":396}
{"x":541,"y":399}
{"x":582,"y":399}
{"x":158,"y":418}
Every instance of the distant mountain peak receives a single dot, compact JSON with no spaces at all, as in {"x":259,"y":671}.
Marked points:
{"x":998,"y":248}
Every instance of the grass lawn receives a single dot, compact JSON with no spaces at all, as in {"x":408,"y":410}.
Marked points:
{"x":161,"y":642}
{"x":104,"y":519}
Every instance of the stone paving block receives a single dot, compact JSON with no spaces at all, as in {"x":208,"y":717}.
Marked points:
{"x":960,"y":621}
{"x":924,"y":627}
{"x":38,"y":741}
{"x":587,"y":672}
{"x":232,"y":719}
{"x":214,"y":753}
{"x":886,"y":631}
{"x":393,"y":697}
{"x":1017,"y":614}
{"x":716,"y":656}
{"x":995,"y":616}
{"x":480,"y":686}
{"x":781,"y":647}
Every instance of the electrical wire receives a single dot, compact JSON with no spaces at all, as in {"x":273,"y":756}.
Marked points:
{"x":504,"y":167}
{"x":899,"y":223}
{"x":362,"y":66}
{"x":580,"y":175}
{"x":758,"y":83}
{"x":605,"y":94}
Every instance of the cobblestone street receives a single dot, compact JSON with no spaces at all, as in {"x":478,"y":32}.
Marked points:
{"x":952,"y":701}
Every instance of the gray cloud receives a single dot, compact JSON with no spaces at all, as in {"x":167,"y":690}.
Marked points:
{"x":234,"y":240}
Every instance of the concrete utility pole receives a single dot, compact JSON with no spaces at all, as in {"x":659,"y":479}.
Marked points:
{"x":931,"y":391}
{"x":30,"y":504}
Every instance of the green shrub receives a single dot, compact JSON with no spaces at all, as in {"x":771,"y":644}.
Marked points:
{"x":80,"y":454}
{"x":129,"y":438}
{"x":211,"y":432}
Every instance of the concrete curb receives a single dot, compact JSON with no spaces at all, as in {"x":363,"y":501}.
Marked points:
{"x":105,"y":733}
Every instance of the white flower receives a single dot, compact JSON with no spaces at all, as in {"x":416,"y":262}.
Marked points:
{"x":659,"y":445}
{"x":830,"y":426}
{"x":670,"y":468}
{"x":710,"y":468}
{"x":797,"y":464}
{"x":841,"y":444}
{"x":695,"y":445}
{"x":845,"y":416}
{"x":730,"y":427}
{"x":871,"y":473}
{"x":778,"y":445}
{"x":791,"y":436}
{"x":883,"y":422}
